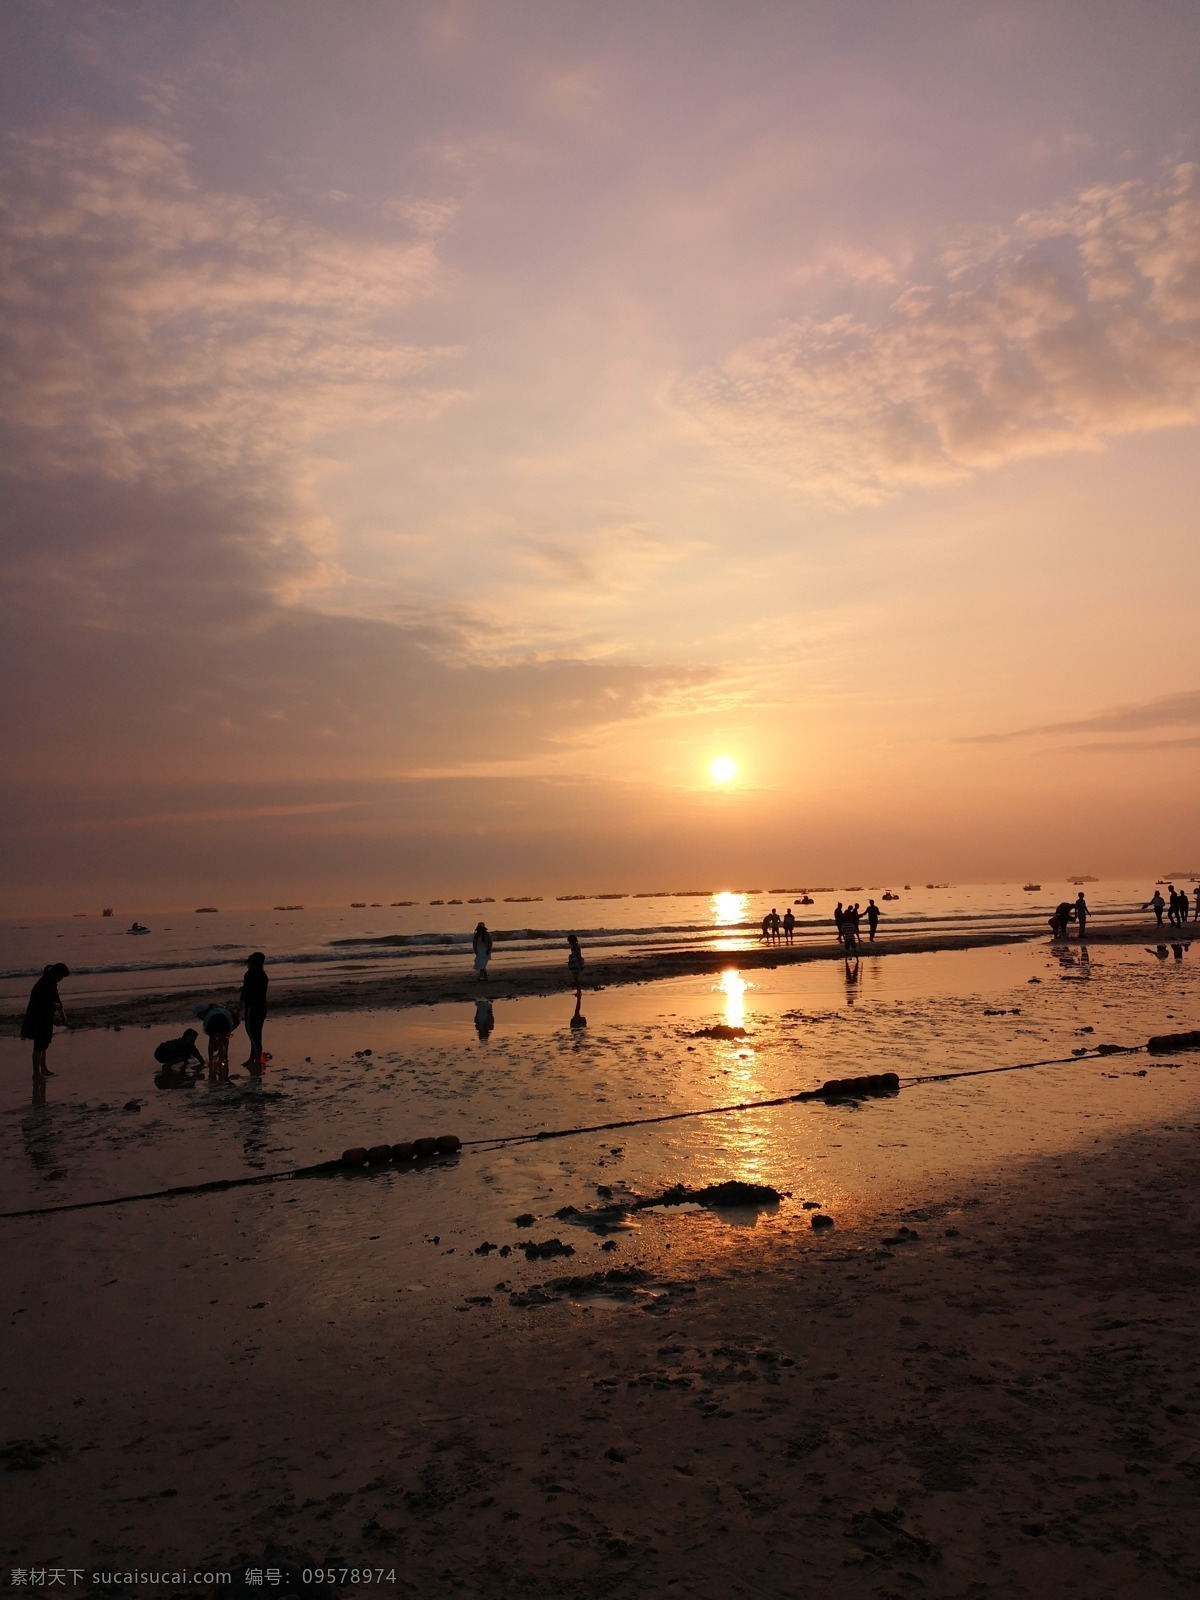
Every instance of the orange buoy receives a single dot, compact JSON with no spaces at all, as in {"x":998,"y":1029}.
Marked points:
{"x":425,"y":1147}
{"x":448,"y":1144}
{"x":356,"y":1156}
{"x":403,"y":1151}
{"x":378,"y":1153}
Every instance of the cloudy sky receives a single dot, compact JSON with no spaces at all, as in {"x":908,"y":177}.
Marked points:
{"x":432,"y":433}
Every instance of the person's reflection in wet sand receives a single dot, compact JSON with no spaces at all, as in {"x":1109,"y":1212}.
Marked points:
{"x":39,"y":1089}
{"x":485,"y":1019}
{"x":1159,"y":950}
{"x":1177,"y":951}
{"x":852,"y":972}
{"x":177,"y":1077}
{"x":578,"y":1020}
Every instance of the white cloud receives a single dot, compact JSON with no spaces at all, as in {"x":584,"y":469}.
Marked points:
{"x":1077,"y":326}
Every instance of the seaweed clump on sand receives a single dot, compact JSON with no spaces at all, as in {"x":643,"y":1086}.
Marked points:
{"x":720,"y":1030}
{"x":731,"y":1193}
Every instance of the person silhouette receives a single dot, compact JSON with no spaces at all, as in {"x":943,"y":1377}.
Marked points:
{"x":481,"y":943}
{"x":575,"y":961}
{"x":789,"y":925}
{"x":873,"y":915}
{"x":43,"y":1011}
{"x":1082,"y":913}
{"x":254,"y":1008}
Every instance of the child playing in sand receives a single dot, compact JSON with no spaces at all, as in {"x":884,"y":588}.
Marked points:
{"x":218,"y":1023}
{"x":175,"y":1054}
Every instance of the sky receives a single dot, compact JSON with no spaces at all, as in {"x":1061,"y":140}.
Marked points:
{"x":432,"y":434}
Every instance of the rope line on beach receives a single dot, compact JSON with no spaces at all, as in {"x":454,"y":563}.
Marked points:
{"x":500,"y":1141}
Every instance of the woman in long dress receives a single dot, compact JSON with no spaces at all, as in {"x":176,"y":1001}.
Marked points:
{"x":481,"y":943}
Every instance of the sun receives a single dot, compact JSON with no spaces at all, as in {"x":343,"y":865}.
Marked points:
{"x":723,"y":770}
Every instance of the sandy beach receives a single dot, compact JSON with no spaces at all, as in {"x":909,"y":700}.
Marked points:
{"x":980,"y":1380}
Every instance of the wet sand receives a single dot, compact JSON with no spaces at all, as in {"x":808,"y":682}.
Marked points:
{"x":982,"y":1380}
{"x":1002,"y":1404}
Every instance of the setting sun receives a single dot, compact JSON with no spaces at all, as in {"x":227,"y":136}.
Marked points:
{"x":723,"y":770}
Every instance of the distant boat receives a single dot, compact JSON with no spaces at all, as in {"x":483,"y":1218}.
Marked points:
{"x":1083,"y":877}
{"x":199,"y":909}
{"x":437,"y":902}
{"x":888,"y":895}
{"x":358,"y":905}
{"x":1031,"y":888}
{"x":804,"y":900}
{"x":404,"y":902}
{"x":137,"y":927}
{"x":107,"y":912}
{"x":289,"y":908}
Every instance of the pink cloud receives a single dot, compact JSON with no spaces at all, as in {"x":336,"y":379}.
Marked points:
{"x":1077,"y":326}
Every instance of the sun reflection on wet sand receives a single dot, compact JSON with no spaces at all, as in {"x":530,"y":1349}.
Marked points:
{"x":733,"y":986}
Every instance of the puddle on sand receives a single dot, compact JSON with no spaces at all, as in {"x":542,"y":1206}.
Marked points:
{"x":415,"y":1231}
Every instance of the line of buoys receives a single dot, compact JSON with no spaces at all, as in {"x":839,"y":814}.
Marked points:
{"x":1163,"y":1044}
{"x":376,"y":1155}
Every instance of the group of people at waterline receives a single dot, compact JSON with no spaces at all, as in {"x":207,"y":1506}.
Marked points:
{"x":175,"y":1057}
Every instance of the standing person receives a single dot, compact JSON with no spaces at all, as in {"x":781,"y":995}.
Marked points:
{"x":43,"y":1011}
{"x":854,"y":921}
{"x":839,"y":919}
{"x":254,"y":1008}
{"x":773,"y":925}
{"x":575,"y":962}
{"x":218,"y":1023}
{"x":481,"y":943}
{"x":1172,"y":905}
{"x":1158,"y":905}
{"x":789,"y":925}
{"x":872,"y":918}
{"x":1196,"y":917}
{"x":766,"y":928}
{"x":850,"y":939}
{"x":1082,"y":913}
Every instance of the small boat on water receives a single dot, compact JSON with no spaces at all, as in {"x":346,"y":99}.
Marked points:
{"x":137,"y":927}
{"x":107,"y":912}
{"x":804,"y":900}
{"x":1031,"y":888}
{"x":888,"y":895}
{"x":199,"y":909}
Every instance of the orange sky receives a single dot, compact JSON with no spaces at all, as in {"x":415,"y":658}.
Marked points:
{"x":432,"y":434}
